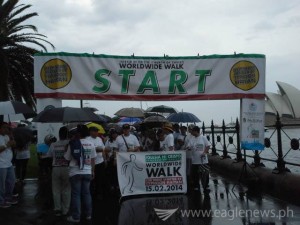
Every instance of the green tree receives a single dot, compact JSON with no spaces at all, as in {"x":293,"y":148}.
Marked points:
{"x":18,"y":44}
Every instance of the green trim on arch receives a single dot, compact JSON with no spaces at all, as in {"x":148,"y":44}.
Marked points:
{"x":241,"y":55}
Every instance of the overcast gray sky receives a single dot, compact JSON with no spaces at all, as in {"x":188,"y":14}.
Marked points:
{"x":178,"y":28}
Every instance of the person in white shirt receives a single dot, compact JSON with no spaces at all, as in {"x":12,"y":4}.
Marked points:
{"x":111,"y":149}
{"x":187,"y":139}
{"x":81,"y":173}
{"x":61,"y":189}
{"x":127,"y":142}
{"x":176,"y":132}
{"x":168,"y":143}
{"x":179,"y":142}
{"x":100,"y":163}
{"x":111,"y":145}
{"x":150,"y":142}
{"x":22,"y":136}
{"x":7,"y":173}
{"x":22,"y":158}
{"x":199,"y":146}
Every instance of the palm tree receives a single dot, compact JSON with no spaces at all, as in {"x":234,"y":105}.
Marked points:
{"x":18,"y":42}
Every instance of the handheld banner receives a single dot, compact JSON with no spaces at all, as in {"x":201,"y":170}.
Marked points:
{"x":151,"y":172}
{"x":252,"y":124}
{"x":104,"y":77}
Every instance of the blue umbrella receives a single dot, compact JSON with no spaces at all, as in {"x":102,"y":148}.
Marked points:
{"x":183,"y":117}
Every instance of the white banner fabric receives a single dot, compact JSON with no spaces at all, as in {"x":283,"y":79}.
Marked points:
{"x":151,"y":172}
{"x":252,"y":124}
{"x":47,"y":128}
{"x":85,"y":76}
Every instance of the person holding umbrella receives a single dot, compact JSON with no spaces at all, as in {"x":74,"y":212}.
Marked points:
{"x":7,"y":173}
{"x":99,"y":180}
{"x":199,"y":146}
{"x":111,"y":149}
{"x":23,"y":137}
{"x":81,"y":153}
{"x":168,"y":141}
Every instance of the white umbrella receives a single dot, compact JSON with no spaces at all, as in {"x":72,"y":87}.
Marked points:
{"x":13,"y":110}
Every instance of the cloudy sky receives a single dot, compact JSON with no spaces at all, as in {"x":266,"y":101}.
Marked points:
{"x":178,"y":28}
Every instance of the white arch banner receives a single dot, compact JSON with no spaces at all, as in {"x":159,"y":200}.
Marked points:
{"x":85,"y":76}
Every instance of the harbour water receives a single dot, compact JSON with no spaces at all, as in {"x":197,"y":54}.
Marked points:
{"x":290,"y":155}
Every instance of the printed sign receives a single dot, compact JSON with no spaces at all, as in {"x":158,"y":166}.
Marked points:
{"x":252,"y":124}
{"x":151,"y":172}
{"x":84,"y":76}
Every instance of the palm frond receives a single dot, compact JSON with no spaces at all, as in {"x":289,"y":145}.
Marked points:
{"x":17,"y":10}
{"x":18,"y":44}
{"x":20,"y":28}
{"x":14,"y":22}
{"x":6,"y":9}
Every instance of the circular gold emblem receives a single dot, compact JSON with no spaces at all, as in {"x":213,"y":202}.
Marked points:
{"x":244,"y":75}
{"x":56,"y":74}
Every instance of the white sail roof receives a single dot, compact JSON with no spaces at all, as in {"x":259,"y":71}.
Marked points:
{"x":287,"y":103}
{"x":291,"y":96}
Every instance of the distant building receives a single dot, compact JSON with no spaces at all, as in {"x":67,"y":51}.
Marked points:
{"x":286,"y":103}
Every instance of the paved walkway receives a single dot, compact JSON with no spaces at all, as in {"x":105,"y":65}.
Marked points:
{"x":225,"y":204}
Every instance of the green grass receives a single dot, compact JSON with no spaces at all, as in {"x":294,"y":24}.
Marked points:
{"x":32,"y":166}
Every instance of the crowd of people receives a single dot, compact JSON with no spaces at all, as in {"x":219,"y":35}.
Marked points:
{"x":14,"y":156}
{"x":83,"y":164}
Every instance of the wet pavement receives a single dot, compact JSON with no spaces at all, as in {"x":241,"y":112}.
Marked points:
{"x":226,"y":203}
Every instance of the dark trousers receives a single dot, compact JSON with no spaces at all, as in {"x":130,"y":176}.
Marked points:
{"x":200,"y":172}
{"x":21,"y":168}
{"x":112,"y":175}
{"x":100,"y":179}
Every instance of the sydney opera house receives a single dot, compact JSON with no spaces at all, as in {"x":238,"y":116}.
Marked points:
{"x":286,"y":102}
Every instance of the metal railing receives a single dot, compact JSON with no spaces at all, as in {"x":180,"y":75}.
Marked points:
{"x":221,"y":137}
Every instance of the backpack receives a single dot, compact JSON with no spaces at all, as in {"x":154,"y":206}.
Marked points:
{"x":77,"y":152}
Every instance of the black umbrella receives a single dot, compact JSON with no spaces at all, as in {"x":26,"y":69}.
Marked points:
{"x":8,"y":108}
{"x":183,"y":117}
{"x":162,"y":109}
{"x":67,"y":115}
{"x":91,"y":108}
{"x":155,"y":119}
{"x":105,"y":117}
